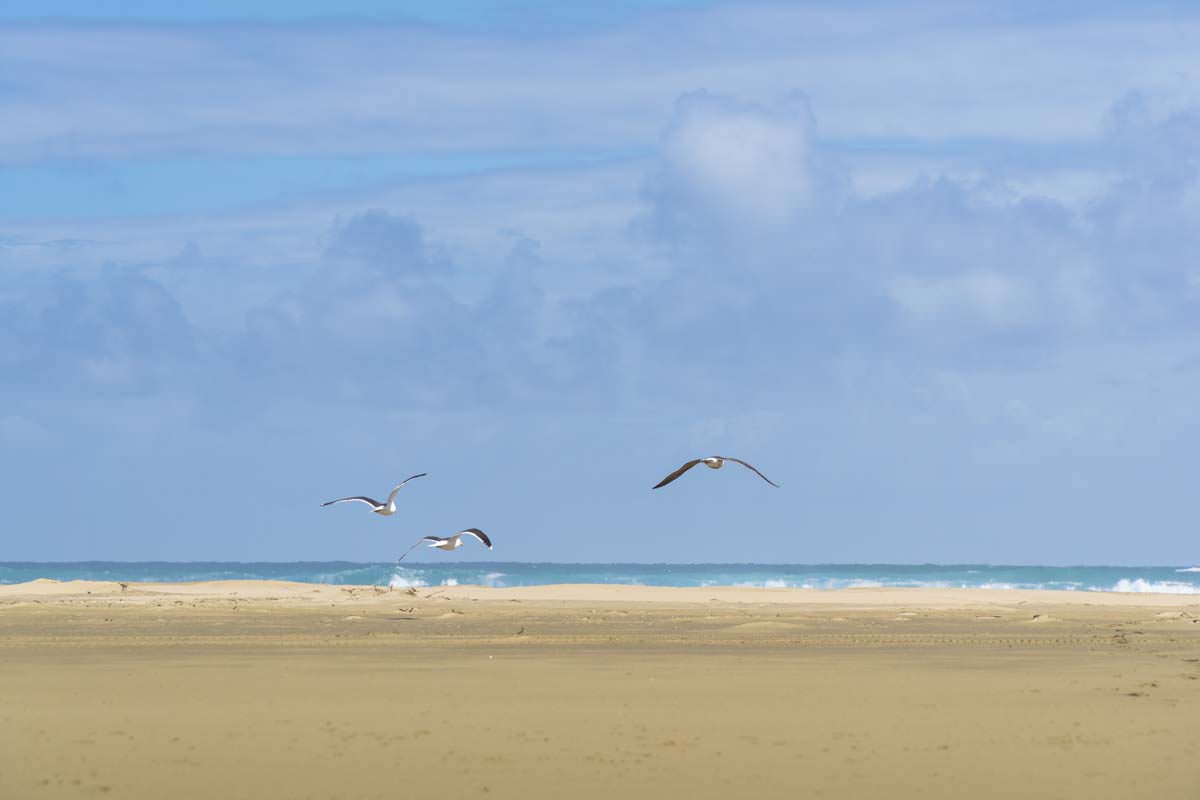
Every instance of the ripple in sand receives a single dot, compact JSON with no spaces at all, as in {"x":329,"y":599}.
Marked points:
{"x":762,"y":625}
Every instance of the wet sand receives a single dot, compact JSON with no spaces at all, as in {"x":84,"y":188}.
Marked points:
{"x":263,"y":689}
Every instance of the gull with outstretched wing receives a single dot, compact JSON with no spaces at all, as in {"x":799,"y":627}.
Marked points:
{"x":712,"y":462}
{"x":387,"y":508}
{"x":450,"y":542}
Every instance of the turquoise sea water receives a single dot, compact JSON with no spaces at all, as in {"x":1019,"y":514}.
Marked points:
{"x":1179,"y":580}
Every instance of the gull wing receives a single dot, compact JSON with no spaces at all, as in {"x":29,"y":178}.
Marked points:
{"x":478,"y":534}
{"x":678,"y":472}
{"x":751,"y":466}
{"x":399,"y":485}
{"x":360,"y":499}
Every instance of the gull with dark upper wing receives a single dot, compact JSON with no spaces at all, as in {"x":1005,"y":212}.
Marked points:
{"x":712,"y":462}
{"x":386,"y":509}
{"x":450,"y":542}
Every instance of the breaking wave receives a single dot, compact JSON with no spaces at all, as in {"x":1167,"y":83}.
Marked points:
{"x":405,"y":578}
{"x":399,"y":581}
{"x":1157,"y":587}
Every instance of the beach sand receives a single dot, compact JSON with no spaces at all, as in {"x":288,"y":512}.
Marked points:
{"x":263,"y":690}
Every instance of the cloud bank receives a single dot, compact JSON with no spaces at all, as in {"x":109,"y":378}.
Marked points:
{"x":945,"y":355}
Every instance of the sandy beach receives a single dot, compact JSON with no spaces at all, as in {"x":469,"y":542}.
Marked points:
{"x":260,"y":689}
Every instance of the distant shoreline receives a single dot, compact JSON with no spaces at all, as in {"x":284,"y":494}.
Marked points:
{"x":450,"y":572}
{"x":678,"y":564}
{"x":292,"y":593}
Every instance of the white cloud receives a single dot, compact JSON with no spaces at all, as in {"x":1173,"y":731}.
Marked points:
{"x":928,"y":71}
{"x":754,"y":164}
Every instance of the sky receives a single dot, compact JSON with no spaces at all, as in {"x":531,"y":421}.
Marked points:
{"x":933,"y":267}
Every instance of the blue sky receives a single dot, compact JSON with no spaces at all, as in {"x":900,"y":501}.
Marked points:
{"x":931,"y":267}
{"x":448,"y":13}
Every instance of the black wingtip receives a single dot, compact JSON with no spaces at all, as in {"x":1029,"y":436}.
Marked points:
{"x":483,"y":537}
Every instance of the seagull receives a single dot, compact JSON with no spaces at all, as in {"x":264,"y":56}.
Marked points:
{"x":386,"y":509}
{"x":712,"y":462}
{"x":450,"y":542}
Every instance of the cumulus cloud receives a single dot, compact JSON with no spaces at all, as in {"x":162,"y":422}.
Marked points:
{"x":385,"y":245}
{"x":395,"y":322}
{"x":116,"y":330}
{"x":963,"y":273}
{"x":742,"y":165}
{"x":750,"y":239}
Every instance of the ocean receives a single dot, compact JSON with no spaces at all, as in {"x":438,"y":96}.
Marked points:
{"x":1175,"y":580}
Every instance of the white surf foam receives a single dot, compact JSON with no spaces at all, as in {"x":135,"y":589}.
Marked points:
{"x":408,"y":581}
{"x":1160,"y":587}
{"x":1189,"y":569}
{"x":768,"y":583}
{"x":841,"y":583}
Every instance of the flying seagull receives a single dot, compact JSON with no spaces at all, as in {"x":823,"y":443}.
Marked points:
{"x":386,"y":509}
{"x":712,"y":462}
{"x":450,"y":542}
